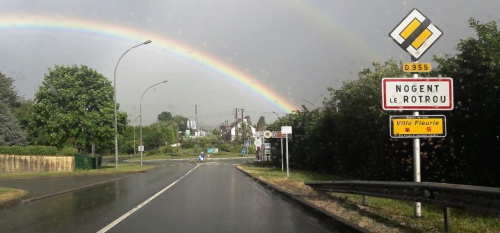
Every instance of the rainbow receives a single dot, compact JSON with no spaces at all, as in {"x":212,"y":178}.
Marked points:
{"x":325,"y":21}
{"x":20,"y":23}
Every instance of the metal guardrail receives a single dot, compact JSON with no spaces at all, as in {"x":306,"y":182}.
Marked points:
{"x":474,"y":198}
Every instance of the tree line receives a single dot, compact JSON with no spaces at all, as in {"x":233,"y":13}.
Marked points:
{"x":74,"y":107}
{"x":349,"y":135}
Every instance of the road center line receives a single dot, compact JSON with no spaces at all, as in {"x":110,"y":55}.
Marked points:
{"x":118,"y":220}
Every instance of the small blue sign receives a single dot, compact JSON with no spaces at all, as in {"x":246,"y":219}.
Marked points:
{"x":247,"y":143}
{"x":244,"y":151}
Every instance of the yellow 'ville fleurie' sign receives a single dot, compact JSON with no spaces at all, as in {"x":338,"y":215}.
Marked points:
{"x":418,"y":126}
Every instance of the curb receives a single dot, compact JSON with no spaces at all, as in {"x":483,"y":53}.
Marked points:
{"x":71,"y":190}
{"x":13,"y":201}
{"x":335,"y":221}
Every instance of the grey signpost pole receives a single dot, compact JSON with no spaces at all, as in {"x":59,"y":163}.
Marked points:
{"x":286,"y":130}
{"x":282,"y":169}
{"x":287,"y":171}
{"x":416,"y":159}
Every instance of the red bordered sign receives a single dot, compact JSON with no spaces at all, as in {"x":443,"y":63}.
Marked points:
{"x":417,"y":94}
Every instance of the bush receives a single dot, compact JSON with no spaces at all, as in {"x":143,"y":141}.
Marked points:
{"x":28,"y":150}
{"x":86,"y":162}
{"x":153,"y":152}
{"x":67,"y":151}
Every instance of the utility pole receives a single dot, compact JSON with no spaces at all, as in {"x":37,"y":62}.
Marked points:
{"x":242,"y":130}
{"x":236,"y":126}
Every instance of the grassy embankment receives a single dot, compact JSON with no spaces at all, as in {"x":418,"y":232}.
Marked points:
{"x":377,"y":214}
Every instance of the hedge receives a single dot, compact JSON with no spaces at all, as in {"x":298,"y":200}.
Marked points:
{"x":28,"y":150}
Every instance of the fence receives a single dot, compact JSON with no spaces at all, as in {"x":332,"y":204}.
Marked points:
{"x":475,"y":198}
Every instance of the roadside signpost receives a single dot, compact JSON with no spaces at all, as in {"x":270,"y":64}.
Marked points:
{"x":416,"y":34}
{"x":247,"y":144}
{"x":417,"y":94}
{"x":257,"y":142}
{"x":417,"y":67}
{"x":286,"y":130}
{"x":278,"y":134}
{"x":418,"y":126}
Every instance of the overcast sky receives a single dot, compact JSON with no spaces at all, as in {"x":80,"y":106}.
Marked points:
{"x":295,"y":49}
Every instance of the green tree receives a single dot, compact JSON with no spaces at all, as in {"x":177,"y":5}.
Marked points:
{"x":261,"y":124}
{"x":11,"y":133}
{"x":245,"y":131}
{"x":361,"y":126}
{"x":23,"y":113}
{"x":473,"y":144}
{"x":165,"y":116}
{"x":170,"y":135}
{"x":75,"y":107}
{"x":7,"y":92}
{"x":181,"y":122}
{"x":249,"y":121}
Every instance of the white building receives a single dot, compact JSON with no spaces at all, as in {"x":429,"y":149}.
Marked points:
{"x":238,"y":124}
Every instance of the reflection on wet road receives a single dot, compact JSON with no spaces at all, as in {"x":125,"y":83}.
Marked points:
{"x":214,"y":197}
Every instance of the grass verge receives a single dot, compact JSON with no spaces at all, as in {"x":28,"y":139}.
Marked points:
{"x":377,"y":214}
{"x":7,"y":194}
{"x":104,"y":169}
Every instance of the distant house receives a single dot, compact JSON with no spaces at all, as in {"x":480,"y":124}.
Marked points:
{"x":230,"y":130}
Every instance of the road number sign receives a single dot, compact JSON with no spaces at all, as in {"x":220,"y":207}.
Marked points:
{"x":422,"y":126}
{"x":417,"y":93}
{"x":417,"y":67}
{"x":415,"y":34}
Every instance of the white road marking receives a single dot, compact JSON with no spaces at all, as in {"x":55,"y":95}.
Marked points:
{"x":118,"y":220}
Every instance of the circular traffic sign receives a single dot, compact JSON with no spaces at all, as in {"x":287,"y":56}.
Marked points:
{"x":267,"y":134}
{"x":257,"y":142}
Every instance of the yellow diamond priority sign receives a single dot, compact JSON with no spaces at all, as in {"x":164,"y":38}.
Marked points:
{"x":415,"y":34}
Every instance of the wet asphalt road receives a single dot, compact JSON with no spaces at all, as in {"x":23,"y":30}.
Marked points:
{"x":175,"y":197}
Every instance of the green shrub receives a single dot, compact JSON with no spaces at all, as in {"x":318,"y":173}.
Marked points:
{"x":28,"y":150}
{"x":67,"y":151}
{"x":153,"y":152}
{"x":86,"y":162}
{"x":197,"y":148}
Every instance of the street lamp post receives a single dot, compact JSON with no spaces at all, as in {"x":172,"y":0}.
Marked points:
{"x":114,"y":99}
{"x":140,"y":115}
